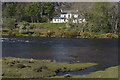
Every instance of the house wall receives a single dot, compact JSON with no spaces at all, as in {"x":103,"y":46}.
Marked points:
{"x":59,"y":20}
{"x":65,"y":20}
{"x":69,"y":15}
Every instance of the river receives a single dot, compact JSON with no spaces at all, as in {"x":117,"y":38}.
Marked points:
{"x":101,"y":51}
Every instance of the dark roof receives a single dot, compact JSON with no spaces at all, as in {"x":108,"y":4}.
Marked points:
{"x":69,"y":11}
{"x":59,"y":18}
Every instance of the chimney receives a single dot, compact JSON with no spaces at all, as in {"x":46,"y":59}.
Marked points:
{"x":61,"y":10}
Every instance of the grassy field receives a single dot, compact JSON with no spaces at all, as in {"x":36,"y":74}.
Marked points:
{"x":50,"y":26}
{"x":31,"y":68}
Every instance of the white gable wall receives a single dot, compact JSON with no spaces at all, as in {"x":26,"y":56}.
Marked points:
{"x":64,"y":18}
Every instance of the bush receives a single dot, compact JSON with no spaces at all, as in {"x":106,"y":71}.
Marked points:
{"x":11,"y":33}
{"x":50,"y":33}
{"x":10,"y":23}
{"x":85,"y":35}
{"x":109,"y":35}
{"x":118,"y":34}
{"x":44,"y":19}
{"x":25,"y":27}
{"x":69,"y":34}
{"x":58,"y":33}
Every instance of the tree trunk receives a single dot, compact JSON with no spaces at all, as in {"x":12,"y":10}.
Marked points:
{"x":48,"y":19}
{"x":116,"y":26}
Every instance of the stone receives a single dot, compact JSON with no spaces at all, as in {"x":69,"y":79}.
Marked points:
{"x":67,"y":76}
{"x":37,"y":69}
{"x":21,"y":66}
{"x":44,"y":67}
{"x":58,"y":70}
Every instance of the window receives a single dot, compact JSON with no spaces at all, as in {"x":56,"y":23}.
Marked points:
{"x":68,"y":16}
{"x":75,"y":16}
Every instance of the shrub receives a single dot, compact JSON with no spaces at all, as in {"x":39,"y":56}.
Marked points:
{"x":44,"y":19}
{"x":10,"y":23}
{"x":85,"y":35}
{"x":109,"y":35}
{"x":118,"y":34}
{"x":69,"y":34}
{"x":58,"y":33}
{"x":50,"y":33}
{"x":25,"y":27}
{"x":11,"y":33}
{"x":93,"y":36}
{"x":112,"y":35}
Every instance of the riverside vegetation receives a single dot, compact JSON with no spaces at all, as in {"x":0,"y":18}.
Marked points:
{"x":31,"y":68}
{"x":52,"y":30}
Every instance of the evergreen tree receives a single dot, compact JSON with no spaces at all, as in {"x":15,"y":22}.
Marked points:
{"x":9,"y":11}
{"x":49,"y":10}
{"x":19,"y":15}
{"x":32,"y":12}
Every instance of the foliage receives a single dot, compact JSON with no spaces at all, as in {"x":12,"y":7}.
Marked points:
{"x":32,"y":11}
{"x":50,"y":33}
{"x":9,"y":11}
{"x":20,"y":13}
{"x":10,"y":23}
{"x":101,"y":19}
{"x":44,"y":19}
{"x":98,"y":18}
{"x":114,"y":17}
{"x":85,"y":35}
{"x":24,"y":27}
{"x":49,"y":10}
{"x":69,"y":34}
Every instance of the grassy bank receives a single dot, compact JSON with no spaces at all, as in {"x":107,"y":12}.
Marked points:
{"x":111,"y":72}
{"x":53,"y":30}
{"x":31,"y":68}
{"x":49,"y":26}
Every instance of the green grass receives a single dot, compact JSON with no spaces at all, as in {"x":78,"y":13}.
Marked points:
{"x":11,"y":70}
{"x":50,"y":26}
{"x":111,"y":72}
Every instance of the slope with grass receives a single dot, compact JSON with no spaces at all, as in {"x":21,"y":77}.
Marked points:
{"x":50,"y":26}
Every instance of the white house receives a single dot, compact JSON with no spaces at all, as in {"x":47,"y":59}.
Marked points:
{"x":67,"y":14}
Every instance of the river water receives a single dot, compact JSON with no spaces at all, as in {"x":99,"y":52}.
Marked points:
{"x":101,"y":51}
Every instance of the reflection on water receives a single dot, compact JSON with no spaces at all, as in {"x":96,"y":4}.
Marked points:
{"x":82,"y":72}
{"x":101,"y":51}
